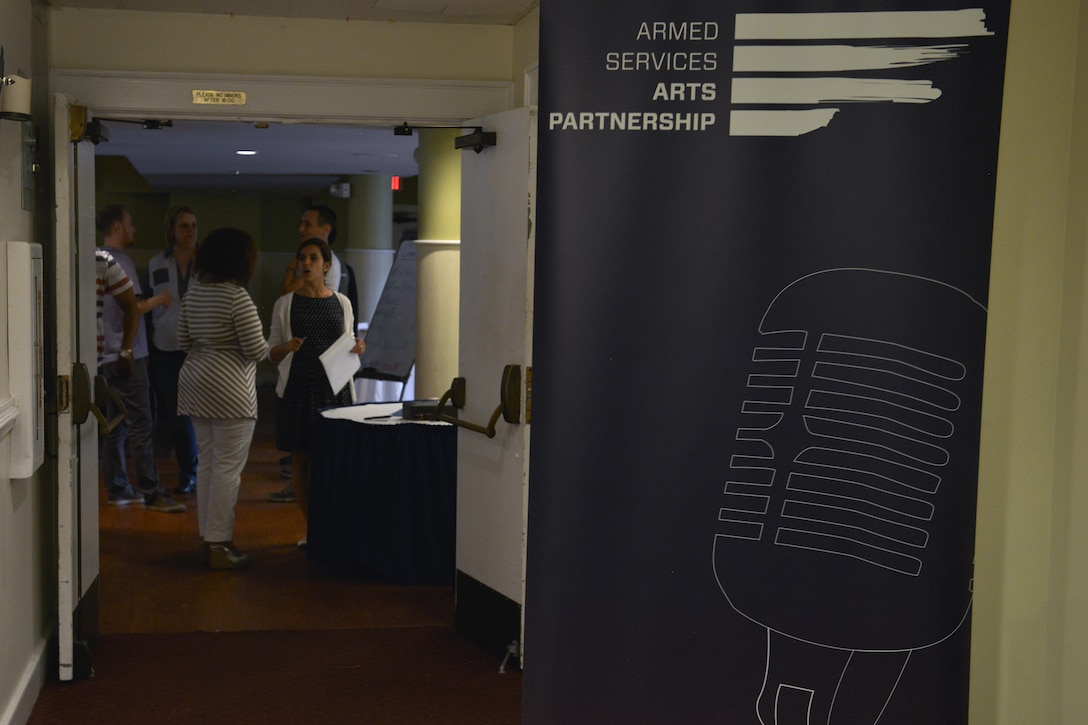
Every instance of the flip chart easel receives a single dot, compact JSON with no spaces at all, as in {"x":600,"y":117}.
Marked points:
{"x":391,"y":337}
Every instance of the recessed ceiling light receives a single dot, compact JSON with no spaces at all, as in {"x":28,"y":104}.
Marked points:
{"x":246,"y":152}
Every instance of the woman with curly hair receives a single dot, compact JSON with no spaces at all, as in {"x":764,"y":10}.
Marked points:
{"x":221,"y":333}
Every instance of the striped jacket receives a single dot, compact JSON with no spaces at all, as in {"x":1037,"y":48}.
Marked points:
{"x":221,"y":332}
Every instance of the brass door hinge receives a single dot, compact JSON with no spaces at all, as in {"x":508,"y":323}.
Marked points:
{"x":528,"y":394}
{"x":64,"y":393}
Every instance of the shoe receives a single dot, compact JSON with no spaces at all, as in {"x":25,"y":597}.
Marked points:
{"x":124,"y":498}
{"x":286,"y":473}
{"x":185,"y":486}
{"x":302,"y":544}
{"x":286,"y":460}
{"x":224,"y":555}
{"x":285,"y":495}
{"x":163,"y":504}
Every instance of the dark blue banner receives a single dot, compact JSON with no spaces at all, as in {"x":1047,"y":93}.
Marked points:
{"x":763,"y":252}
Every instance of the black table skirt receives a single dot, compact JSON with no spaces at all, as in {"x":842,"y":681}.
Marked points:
{"x":383,"y":500}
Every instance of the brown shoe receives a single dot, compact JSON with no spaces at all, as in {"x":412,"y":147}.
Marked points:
{"x":164,"y":504}
{"x":284,"y":495}
{"x":224,"y":555}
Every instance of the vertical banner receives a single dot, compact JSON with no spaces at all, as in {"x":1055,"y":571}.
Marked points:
{"x":763,"y":251}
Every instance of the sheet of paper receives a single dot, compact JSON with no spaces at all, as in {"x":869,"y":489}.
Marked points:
{"x":339,"y":362}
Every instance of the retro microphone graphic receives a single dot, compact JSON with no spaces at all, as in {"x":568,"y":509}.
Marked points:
{"x":846,"y":527}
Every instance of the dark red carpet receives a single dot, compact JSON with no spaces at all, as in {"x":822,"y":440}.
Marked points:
{"x":390,"y":675}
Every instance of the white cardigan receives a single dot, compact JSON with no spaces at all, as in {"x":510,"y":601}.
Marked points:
{"x":281,"y":333}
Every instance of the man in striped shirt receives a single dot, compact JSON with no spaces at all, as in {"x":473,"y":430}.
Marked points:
{"x":123,"y":362}
{"x":111,"y":280}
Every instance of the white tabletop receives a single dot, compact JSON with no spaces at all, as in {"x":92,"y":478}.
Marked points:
{"x":375,"y":414}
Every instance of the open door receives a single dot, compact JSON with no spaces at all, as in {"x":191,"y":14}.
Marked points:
{"x":498,"y":189}
{"x":77,"y":432}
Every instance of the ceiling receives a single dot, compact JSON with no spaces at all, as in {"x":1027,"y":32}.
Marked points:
{"x":295,"y":159}
{"x":199,"y":156}
{"x":485,"y":12}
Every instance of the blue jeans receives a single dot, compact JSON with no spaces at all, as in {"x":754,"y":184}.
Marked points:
{"x":170,"y":428}
{"x":135,"y":430}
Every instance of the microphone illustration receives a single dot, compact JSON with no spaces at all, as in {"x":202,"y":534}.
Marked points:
{"x":846,"y":527}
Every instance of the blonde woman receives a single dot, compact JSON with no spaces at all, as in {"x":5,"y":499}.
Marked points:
{"x":171,"y":271}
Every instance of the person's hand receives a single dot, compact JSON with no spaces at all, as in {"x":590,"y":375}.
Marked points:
{"x":360,"y":346}
{"x":125,"y":367}
{"x":165,"y":298}
{"x":294,"y":344}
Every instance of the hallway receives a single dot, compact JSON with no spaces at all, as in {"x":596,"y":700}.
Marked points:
{"x":152,"y":581}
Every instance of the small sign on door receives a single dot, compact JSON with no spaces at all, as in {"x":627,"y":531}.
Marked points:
{"x":220,"y":98}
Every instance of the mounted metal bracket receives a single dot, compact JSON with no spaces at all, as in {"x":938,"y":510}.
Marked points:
{"x":478,"y":140}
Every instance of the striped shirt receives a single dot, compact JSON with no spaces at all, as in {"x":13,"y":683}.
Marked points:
{"x":221,"y":332}
{"x":110,"y":279}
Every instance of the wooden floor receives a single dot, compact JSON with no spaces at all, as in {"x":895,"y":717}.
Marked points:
{"x":152,"y":579}
{"x":288,"y":643}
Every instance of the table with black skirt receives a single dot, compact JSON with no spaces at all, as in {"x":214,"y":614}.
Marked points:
{"x":383,"y":495}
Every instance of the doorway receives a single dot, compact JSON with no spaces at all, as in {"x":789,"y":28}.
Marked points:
{"x":141,"y":98}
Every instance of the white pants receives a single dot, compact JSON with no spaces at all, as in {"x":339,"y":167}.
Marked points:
{"x":222,"y":449}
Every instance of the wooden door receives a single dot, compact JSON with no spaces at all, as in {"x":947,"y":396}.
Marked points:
{"x":77,"y":434}
{"x":496,"y":320}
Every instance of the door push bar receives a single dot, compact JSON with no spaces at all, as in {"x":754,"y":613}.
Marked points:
{"x":509,"y":402}
{"x":83,"y":404}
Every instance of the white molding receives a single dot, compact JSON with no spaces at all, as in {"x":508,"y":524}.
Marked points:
{"x":30,"y":685}
{"x":532,"y":85}
{"x":311,"y":99}
{"x":9,"y":411}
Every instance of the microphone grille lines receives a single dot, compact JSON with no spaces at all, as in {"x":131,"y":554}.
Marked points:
{"x":850,"y":491}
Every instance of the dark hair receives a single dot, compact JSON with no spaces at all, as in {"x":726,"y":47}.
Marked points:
{"x":108,"y":216}
{"x":172,"y":219}
{"x":325,"y":215}
{"x":227,"y":255}
{"x":326,"y":251}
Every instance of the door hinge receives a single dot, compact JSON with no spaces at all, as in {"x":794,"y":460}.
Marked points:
{"x":529,"y":394}
{"x":64,"y":393}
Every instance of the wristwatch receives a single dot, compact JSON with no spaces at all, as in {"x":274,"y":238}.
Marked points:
{"x":125,"y":354}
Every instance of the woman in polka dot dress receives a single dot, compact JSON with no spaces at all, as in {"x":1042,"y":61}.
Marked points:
{"x":304,"y":324}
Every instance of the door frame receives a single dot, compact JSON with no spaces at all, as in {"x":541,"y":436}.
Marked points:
{"x":363,"y":101}
{"x":134,"y":94}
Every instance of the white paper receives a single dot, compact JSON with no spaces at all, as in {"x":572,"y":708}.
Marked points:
{"x":340,"y":363}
